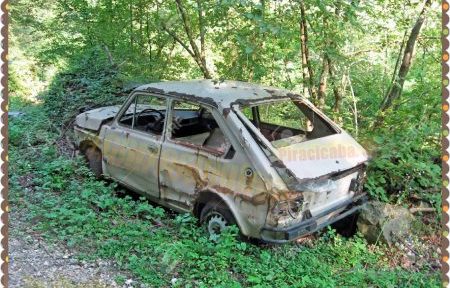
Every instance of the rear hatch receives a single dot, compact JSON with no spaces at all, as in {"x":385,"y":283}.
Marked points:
{"x":325,"y":168}
{"x":317,"y":157}
{"x":310,"y":152}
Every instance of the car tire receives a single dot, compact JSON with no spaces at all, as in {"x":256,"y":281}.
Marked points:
{"x":215,"y":216}
{"x":94,"y":158}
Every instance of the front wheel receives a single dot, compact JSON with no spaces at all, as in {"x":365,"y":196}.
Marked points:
{"x":215,"y":216}
{"x":94,"y":158}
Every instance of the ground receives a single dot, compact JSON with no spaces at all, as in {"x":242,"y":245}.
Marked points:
{"x":36,"y":263}
{"x":69,"y":229}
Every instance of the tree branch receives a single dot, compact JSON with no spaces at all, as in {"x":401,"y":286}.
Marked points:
{"x":177,"y":39}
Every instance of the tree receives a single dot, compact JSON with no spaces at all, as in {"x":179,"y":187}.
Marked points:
{"x":198,"y":54}
{"x":308,"y":74}
{"x":396,"y":88}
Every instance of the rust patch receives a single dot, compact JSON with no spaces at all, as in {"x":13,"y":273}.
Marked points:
{"x":245,"y":102}
{"x":249,"y":181}
{"x":200,"y":183}
{"x":286,"y":195}
{"x":212,"y":151}
{"x":155,"y":90}
{"x":194,"y":98}
{"x":212,"y":173}
{"x":183,"y":143}
{"x":257,"y":199}
{"x":226,"y":111}
{"x":184,"y":96}
{"x":293,"y":95}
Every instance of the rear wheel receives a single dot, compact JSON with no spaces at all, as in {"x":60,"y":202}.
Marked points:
{"x":215,"y":216}
{"x":94,"y":158}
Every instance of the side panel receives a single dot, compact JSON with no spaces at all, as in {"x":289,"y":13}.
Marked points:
{"x":131,"y":153}
{"x":185,"y":172}
{"x":132,"y":157}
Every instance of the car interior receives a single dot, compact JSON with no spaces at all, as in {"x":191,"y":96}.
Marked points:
{"x":148,"y":118}
{"x":298,"y":125}
{"x":279,"y":135}
{"x":199,"y":128}
{"x":193,"y":126}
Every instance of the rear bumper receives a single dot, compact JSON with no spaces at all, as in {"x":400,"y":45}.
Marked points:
{"x":308,"y":226}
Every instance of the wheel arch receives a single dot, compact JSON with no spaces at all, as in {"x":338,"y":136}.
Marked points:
{"x":94,"y":157}
{"x":207,"y":195}
{"x":85,"y":144}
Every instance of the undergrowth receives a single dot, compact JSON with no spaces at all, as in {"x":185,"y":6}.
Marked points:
{"x":65,"y":203}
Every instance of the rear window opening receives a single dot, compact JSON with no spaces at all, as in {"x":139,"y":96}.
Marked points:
{"x":287,"y":122}
{"x":195,"y":126}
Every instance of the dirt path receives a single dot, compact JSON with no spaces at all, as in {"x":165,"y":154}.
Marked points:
{"x":35,"y":263}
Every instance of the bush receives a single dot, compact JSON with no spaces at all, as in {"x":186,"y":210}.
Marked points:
{"x":406,"y":165}
{"x":66,"y":203}
{"x":90,"y":82}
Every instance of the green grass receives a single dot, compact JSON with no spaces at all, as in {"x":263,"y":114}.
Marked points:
{"x":65,"y":203}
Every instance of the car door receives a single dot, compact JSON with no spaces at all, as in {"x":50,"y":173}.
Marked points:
{"x":132,"y":144}
{"x":195,"y":154}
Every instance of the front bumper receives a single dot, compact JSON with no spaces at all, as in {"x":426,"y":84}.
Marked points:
{"x":310,"y":225}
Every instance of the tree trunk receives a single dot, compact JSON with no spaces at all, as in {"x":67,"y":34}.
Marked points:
{"x":201,"y":28}
{"x":397,"y":86}
{"x":147,"y":30}
{"x":394,"y":74}
{"x":111,"y":21}
{"x":323,"y":82}
{"x":131,"y":26}
{"x":336,"y":88}
{"x":308,"y":77}
{"x":108,"y":53}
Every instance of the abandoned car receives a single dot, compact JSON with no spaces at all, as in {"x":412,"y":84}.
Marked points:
{"x":230,"y":152}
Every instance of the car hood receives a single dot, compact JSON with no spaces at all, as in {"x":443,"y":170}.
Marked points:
{"x":318,"y":157}
{"x":93,"y":119}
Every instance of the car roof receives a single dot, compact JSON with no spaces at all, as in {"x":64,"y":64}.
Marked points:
{"x":218,"y":93}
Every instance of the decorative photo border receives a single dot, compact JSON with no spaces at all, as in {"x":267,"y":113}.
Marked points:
{"x":4,"y":145}
{"x":445,"y":143}
{"x":4,"y":23}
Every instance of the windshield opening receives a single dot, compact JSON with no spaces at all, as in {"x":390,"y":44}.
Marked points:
{"x":287,"y":122}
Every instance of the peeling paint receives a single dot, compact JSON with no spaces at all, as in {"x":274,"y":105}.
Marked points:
{"x":258,"y":199}
{"x":226,"y":111}
{"x":252,"y":183}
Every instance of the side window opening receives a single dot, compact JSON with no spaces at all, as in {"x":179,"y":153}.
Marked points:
{"x":146,"y":113}
{"x":195,"y":126}
{"x":287,"y":122}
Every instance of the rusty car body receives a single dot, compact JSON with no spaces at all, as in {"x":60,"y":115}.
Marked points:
{"x":203,"y":146}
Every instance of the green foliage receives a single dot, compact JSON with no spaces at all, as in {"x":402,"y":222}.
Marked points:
{"x":406,"y":158}
{"x":258,"y":43}
{"x":89,"y":49}
{"x":66,"y":203}
{"x":401,"y":166}
{"x":90,"y":82}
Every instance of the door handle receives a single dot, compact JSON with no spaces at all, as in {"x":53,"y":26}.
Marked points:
{"x":152,"y":148}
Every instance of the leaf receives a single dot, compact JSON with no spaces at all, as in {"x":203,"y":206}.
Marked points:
{"x":378,"y":139}
{"x":254,"y":279}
